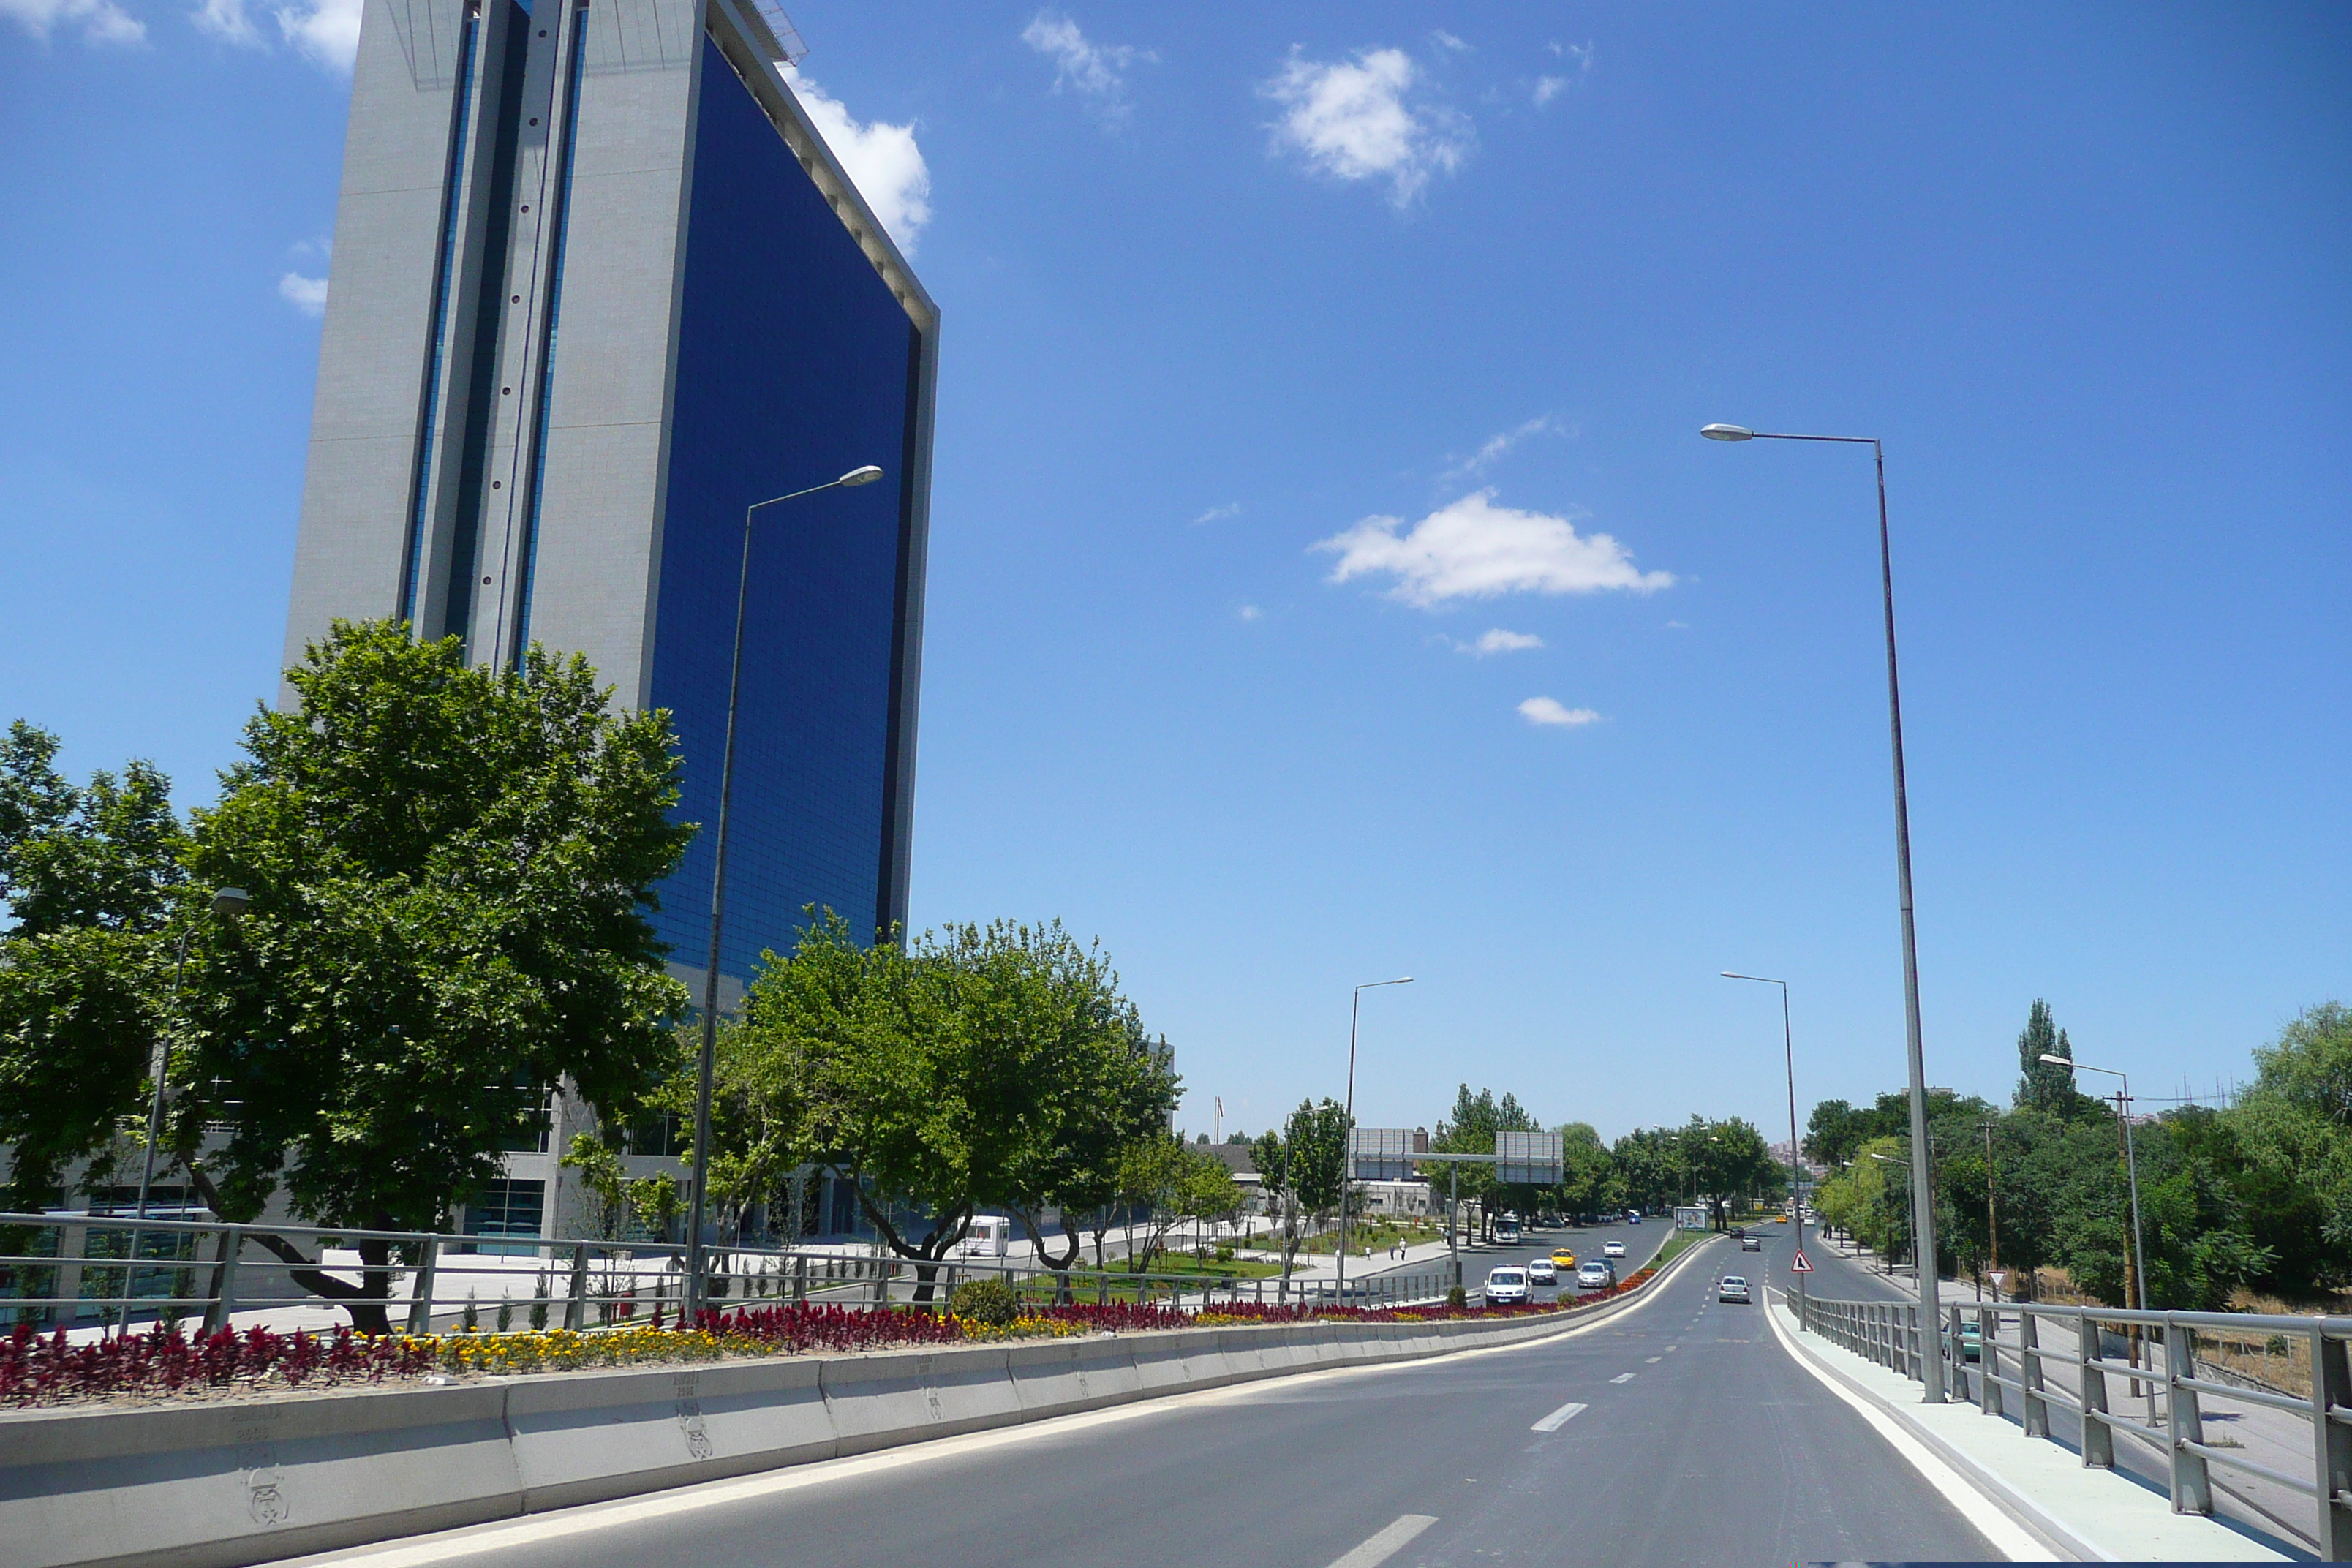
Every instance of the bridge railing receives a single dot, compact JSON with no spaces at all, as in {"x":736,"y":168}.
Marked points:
{"x":2165,"y":1366}
{"x":110,"y":1272}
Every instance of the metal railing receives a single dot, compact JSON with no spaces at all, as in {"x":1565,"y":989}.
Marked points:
{"x":77,"y":1270}
{"x":1997,"y":1351}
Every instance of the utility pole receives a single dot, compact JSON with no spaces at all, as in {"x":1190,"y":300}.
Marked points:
{"x":1992,"y":1216}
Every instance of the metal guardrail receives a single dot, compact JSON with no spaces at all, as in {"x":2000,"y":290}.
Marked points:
{"x":205,"y":1271}
{"x":2107,"y":1345}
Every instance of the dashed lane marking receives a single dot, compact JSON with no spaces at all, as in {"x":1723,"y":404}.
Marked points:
{"x":1558,"y":1418}
{"x":1623,"y":1377}
{"x":1388,"y":1543}
{"x":1655,"y":1360}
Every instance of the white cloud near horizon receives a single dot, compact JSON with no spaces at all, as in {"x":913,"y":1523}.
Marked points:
{"x":1473,"y":549}
{"x":308,"y":295}
{"x":1542,"y":710}
{"x":881,"y":160}
{"x":99,"y":21}
{"x":1351,"y":120}
{"x":1096,"y":72}
{"x":1499,"y":641}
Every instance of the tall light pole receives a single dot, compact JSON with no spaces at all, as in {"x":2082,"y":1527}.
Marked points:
{"x":1348,"y":1132}
{"x":226,"y":903}
{"x":694,"y":1282}
{"x":1796,"y":1182}
{"x":2131,"y":1167}
{"x":1923,"y":1197}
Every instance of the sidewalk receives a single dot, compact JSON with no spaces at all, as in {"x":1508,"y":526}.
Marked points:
{"x":2090,"y":1514}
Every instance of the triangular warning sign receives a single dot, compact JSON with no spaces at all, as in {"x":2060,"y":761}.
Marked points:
{"x":1800,"y":1266}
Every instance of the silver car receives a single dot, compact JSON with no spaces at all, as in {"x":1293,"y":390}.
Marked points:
{"x":1734,"y":1289}
{"x":1541,"y":1271}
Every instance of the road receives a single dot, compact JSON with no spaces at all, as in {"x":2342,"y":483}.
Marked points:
{"x":1680,"y":1433}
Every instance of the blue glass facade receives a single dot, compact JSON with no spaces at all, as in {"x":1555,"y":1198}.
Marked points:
{"x":794,"y":363}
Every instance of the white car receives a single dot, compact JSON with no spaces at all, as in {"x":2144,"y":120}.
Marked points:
{"x":1540,"y":1271}
{"x":1733,"y":1288}
{"x":1506,"y":1286}
{"x":1595,"y":1276}
{"x":1612,"y":1249}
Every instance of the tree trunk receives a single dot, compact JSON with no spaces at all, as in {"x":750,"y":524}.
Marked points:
{"x":366,"y":1302}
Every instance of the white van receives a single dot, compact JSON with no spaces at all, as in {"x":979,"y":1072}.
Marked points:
{"x":990,"y":1235}
{"x":1506,"y":1286}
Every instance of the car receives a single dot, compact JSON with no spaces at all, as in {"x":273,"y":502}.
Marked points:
{"x":1633,"y":1217}
{"x":1541,"y":1272}
{"x":1751,"y":1244}
{"x":1732,"y":1288}
{"x":1595,"y":1276}
{"x":1972,"y":1340}
{"x":1563,"y":1257}
{"x":1612,"y":1249}
{"x":1506,"y":1286}
{"x":1739,"y":1231}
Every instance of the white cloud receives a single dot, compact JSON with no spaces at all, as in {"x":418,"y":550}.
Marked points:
{"x":1350,"y":120}
{"x":327,"y":31}
{"x":1219,"y":514}
{"x":308,"y":295}
{"x":228,"y":21}
{"x":1545,"y":710}
{"x":1677,"y":625}
{"x":1251,"y":613}
{"x":99,"y":21}
{"x":1445,"y":40}
{"x":1473,"y":549}
{"x":1093,"y":71}
{"x":1497,"y":446}
{"x":882,"y":161}
{"x":1501,"y":641}
{"x":1549,"y":87}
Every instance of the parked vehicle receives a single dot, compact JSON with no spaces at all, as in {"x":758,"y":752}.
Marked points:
{"x":1734,"y":1289}
{"x":1506,"y":1286}
{"x":1541,"y":1272}
{"x":990,"y":1236}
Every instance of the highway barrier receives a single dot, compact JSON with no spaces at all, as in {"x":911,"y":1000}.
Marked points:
{"x":2168,"y":1365}
{"x":224,"y":1483}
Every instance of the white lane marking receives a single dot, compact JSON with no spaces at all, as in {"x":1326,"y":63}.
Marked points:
{"x":1623,"y":1377}
{"x":1655,"y":1360}
{"x":1558,"y":1418}
{"x":1672,"y":1349}
{"x":1388,"y":1543}
{"x":2005,"y":1534}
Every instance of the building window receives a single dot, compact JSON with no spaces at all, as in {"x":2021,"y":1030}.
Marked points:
{"x":506,"y":1208}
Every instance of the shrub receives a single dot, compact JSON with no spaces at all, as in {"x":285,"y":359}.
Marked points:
{"x":988,"y":1303}
{"x":1458,"y":1298}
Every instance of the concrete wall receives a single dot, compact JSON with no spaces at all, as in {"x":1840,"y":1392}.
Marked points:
{"x":216,"y":1485}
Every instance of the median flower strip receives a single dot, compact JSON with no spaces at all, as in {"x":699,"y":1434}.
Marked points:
{"x":37,"y":1369}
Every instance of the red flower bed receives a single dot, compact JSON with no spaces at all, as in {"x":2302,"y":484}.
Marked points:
{"x":35,"y":1369}
{"x":804,"y":1326}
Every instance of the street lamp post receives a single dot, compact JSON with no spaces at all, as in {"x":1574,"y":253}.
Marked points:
{"x":1348,"y":1131}
{"x":695,"y":1283}
{"x":1796,"y":1182}
{"x":227,"y":903}
{"x":2136,"y":1295}
{"x":1923,"y":1204}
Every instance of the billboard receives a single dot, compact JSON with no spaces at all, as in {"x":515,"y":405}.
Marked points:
{"x":1529,"y":1159}
{"x":1383,"y":1154}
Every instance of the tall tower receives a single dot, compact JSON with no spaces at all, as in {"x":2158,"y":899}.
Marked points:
{"x":598,"y":285}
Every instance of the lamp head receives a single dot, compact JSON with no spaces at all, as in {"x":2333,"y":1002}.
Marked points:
{"x":2057,"y":1060}
{"x":1727,"y":433}
{"x":865,"y":475}
{"x":230,"y":902}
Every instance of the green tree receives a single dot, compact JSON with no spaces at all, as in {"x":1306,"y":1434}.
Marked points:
{"x":91,"y":877}
{"x":2296,"y":1123}
{"x":1729,"y":1158}
{"x":1589,"y":1182}
{"x":1648,"y":1163}
{"x":1471,"y":1130}
{"x":2045,"y":1086}
{"x":1834,"y":1131}
{"x":450,"y":869}
{"x":1171,"y":1182}
{"x":1299,"y":1169}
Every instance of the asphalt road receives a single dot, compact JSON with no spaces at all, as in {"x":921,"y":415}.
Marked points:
{"x":1679,"y":1433}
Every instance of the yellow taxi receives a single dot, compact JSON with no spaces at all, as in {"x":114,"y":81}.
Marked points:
{"x":1563,"y":1257}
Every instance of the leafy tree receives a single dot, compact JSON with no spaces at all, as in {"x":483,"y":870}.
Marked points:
{"x":1589,"y":1180}
{"x":1300,"y":1168}
{"x":980,"y":1067}
{"x":91,"y":877}
{"x":1726,"y":1159}
{"x":1834,"y":1131}
{"x":2045,"y":1086}
{"x":2296,"y":1123}
{"x":1171,"y":1182}
{"x":1471,"y":1130}
{"x":450,"y":869}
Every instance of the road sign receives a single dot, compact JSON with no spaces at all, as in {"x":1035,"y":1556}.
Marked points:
{"x":1531,"y":1159}
{"x":1382,"y":1154}
{"x":1802,"y":1266}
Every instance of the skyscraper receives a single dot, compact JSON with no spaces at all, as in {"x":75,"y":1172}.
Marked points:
{"x":598,"y":285}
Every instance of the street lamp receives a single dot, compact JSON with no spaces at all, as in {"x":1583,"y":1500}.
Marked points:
{"x":227,"y":903}
{"x":864,"y":475}
{"x":2131,"y":1166}
{"x":1348,"y":1128}
{"x":1923,"y":1204}
{"x":1796,"y":1183}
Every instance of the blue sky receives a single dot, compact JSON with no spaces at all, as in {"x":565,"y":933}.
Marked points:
{"x":1327,"y":580}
